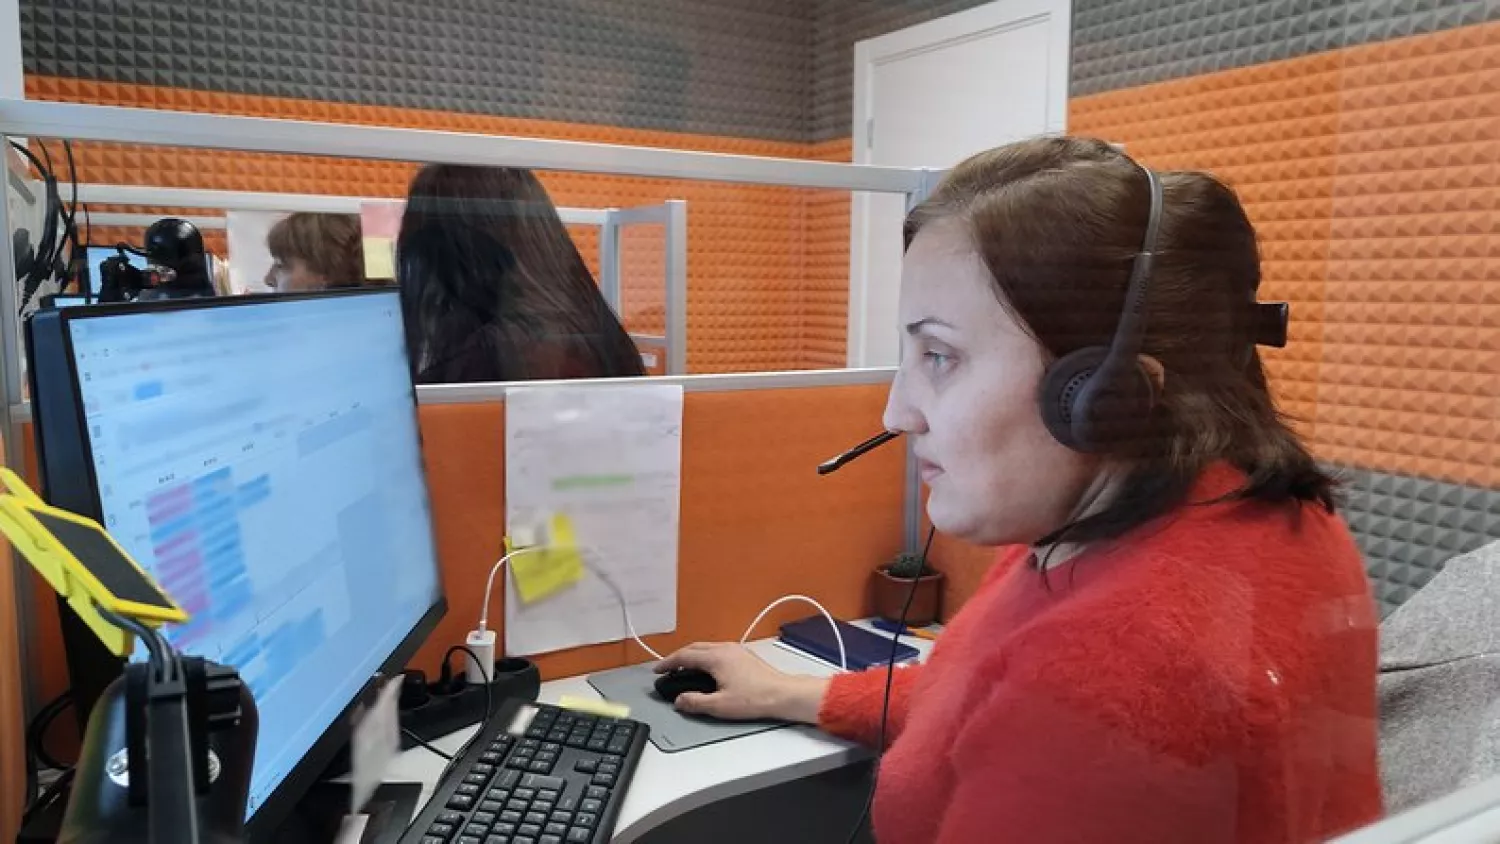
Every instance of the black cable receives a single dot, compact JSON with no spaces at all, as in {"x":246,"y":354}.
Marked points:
{"x":70,"y":214}
{"x":890,"y":673}
{"x":53,"y":791}
{"x":489,"y":706}
{"x":426,"y":744}
{"x":36,"y":731}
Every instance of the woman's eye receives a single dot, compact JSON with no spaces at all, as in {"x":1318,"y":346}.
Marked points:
{"x":937,"y":360}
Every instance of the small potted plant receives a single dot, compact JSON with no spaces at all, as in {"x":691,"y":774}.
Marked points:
{"x":892,"y":583}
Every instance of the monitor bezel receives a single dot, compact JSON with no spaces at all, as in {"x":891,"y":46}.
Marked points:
{"x":301,"y":777}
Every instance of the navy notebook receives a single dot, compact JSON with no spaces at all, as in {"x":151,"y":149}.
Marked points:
{"x":864,"y":649}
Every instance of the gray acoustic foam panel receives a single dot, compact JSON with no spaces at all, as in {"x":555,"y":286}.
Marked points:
{"x":722,"y":67}
{"x":1125,"y":43}
{"x":1408,"y":528}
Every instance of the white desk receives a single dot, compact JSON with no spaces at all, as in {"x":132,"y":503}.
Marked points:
{"x":667,"y":785}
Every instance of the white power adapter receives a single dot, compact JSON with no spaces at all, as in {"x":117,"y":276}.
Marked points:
{"x":482,"y":643}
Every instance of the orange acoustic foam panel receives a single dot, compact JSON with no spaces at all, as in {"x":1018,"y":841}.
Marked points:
{"x":1371,"y":175}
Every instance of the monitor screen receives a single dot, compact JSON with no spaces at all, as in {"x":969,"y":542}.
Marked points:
{"x":96,"y":255}
{"x":261,"y":460}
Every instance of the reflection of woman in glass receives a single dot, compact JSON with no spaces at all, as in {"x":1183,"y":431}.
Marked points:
{"x":316,"y":251}
{"x":493,"y":288}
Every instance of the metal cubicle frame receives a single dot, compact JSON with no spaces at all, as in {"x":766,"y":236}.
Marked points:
{"x":22,"y":119}
{"x":610,"y":222}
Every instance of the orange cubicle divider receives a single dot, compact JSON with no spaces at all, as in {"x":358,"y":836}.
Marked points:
{"x":757,"y":522}
{"x":12,"y":712}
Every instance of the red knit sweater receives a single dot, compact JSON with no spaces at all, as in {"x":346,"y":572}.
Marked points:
{"x":1207,"y":678}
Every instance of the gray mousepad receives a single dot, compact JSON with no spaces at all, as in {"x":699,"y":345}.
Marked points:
{"x":671,"y":730}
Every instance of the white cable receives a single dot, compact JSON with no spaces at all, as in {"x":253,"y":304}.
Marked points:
{"x":489,"y":585}
{"x":837,"y":637}
{"x":625,"y":611}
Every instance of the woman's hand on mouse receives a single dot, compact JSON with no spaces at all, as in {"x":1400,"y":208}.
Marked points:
{"x":748,"y":687}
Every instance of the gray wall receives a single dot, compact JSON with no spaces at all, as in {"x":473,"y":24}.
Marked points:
{"x":724,"y":67}
{"x":772,"y":69}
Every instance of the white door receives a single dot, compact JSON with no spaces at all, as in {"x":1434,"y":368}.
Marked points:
{"x":929,"y":96}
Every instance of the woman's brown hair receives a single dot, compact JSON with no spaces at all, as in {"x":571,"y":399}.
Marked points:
{"x":1057,"y":223}
{"x":330,"y":245}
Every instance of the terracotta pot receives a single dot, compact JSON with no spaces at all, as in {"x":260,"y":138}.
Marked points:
{"x":888,"y":594}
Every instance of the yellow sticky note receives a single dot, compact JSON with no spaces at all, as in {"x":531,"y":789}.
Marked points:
{"x":608,"y":709}
{"x":380,"y":258}
{"x":550,"y":569}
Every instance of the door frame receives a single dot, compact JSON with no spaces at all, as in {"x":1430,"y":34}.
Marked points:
{"x":978,"y":22}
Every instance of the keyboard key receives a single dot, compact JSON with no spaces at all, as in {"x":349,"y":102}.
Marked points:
{"x":508,"y":779}
{"x":488,"y":818}
{"x":498,"y":795}
{"x":469,"y":839}
{"x":443,"y":830}
{"x":591,"y":805}
{"x":579,"y":835}
{"x":556,"y":829}
{"x":483,"y":768}
{"x":505,"y":829}
{"x":549,"y":758}
{"x":477,"y":830}
{"x":570,"y":804}
{"x":543,"y":806}
{"x":510,"y":817}
{"x":461,"y":802}
{"x":523,"y":793}
{"x":467,"y":789}
{"x":541,"y":767}
{"x":476,"y":778}
{"x":536,"y":731}
{"x":492,"y":805}
{"x":550,"y":839}
{"x":517,"y":764}
{"x":530,"y":830}
{"x":586,"y":819}
{"x":535,"y":818}
{"x":452,"y":819}
{"x":529,"y":744}
{"x":597,"y":745}
{"x":617,"y":745}
{"x":586,"y":766}
{"x":606,"y":780}
{"x":551,"y":747}
{"x":560,"y":816}
{"x":542,"y":784}
{"x":517,"y":805}
{"x":557,"y":736}
{"x":491,"y":757}
{"x":523,"y":839}
{"x":597,"y":792}
{"x":433,"y":839}
{"x":609,"y":768}
{"x":497,"y":839}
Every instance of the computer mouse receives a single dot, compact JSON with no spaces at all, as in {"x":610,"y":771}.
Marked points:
{"x":674,"y":683}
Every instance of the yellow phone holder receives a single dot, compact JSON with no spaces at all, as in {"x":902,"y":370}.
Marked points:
{"x":71,"y":553}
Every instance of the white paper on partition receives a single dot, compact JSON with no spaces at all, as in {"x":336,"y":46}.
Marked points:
{"x":610,"y":459}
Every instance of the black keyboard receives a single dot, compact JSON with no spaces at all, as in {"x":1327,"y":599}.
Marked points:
{"x":536,"y":775}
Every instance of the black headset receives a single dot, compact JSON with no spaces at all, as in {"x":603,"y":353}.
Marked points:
{"x":1099,"y":396}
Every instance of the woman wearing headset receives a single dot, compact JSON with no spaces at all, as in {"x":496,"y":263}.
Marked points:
{"x":1177,"y":641}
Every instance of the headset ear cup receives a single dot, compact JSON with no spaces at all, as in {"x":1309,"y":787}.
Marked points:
{"x":1058,"y":396}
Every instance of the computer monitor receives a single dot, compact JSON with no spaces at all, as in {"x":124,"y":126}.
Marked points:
{"x":97,"y":255}
{"x":260,"y":457}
